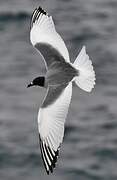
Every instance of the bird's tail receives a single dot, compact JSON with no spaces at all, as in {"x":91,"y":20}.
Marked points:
{"x":86,"y":75}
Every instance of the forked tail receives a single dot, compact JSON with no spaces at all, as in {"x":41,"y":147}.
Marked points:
{"x":86,"y":77}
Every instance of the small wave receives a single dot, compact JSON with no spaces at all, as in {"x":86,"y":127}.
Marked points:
{"x":14,"y":16}
{"x":109,"y":126}
{"x":9,"y":159}
{"x":82,"y":174}
{"x":106,"y":153}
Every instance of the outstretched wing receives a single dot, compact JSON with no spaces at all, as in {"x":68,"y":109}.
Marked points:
{"x":51,"y":120}
{"x":44,"y":37}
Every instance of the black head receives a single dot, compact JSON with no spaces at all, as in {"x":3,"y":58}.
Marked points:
{"x":39,"y":81}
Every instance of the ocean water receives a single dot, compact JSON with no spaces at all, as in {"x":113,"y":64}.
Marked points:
{"x":89,"y":150}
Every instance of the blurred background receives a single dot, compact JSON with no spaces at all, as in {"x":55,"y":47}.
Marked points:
{"x":89,"y":151}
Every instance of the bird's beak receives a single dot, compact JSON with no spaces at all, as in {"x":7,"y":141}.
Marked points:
{"x":29,"y":85}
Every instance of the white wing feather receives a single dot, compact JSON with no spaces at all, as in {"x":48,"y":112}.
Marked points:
{"x":51,"y":119}
{"x":43,"y":31}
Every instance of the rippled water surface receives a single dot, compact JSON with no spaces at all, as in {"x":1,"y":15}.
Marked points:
{"x":89,"y":151}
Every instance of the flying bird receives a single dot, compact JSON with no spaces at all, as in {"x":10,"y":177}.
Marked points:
{"x":58,"y":81}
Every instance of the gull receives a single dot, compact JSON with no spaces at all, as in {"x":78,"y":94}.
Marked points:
{"x":58,"y":81}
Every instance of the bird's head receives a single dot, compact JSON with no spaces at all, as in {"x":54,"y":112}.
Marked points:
{"x":39,"y":81}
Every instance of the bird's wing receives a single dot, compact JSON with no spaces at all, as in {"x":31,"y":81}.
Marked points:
{"x":44,"y":37}
{"x":51,"y":120}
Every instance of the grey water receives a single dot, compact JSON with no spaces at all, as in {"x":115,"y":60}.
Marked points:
{"x":89,"y":149}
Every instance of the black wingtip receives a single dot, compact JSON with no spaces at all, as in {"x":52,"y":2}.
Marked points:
{"x":47,"y":172}
{"x":36,"y":14}
{"x":42,"y":10}
{"x":47,"y":152}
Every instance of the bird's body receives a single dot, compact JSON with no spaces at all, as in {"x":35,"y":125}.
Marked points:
{"x":58,"y":81}
{"x":58,"y":74}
